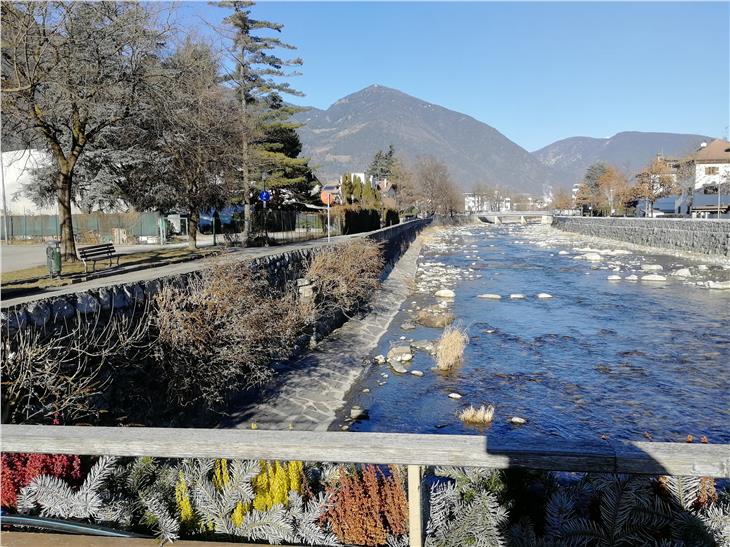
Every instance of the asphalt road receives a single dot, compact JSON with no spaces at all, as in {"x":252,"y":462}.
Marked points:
{"x":21,"y":256}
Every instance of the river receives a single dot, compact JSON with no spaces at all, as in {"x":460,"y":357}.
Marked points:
{"x":599,"y":359}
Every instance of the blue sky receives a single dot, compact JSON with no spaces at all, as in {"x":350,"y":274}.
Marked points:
{"x":537,"y":72}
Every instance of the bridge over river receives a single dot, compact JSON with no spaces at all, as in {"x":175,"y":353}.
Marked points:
{"x":523,"y":217}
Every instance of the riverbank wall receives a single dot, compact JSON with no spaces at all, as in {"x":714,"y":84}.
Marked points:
{"x":280,"y":269}
{"x":709,"y":237}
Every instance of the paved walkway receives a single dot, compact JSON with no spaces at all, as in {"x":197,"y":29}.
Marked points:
{"x":310,"y":390}
{"x":20,"y":256}
{"x":126,"y":276}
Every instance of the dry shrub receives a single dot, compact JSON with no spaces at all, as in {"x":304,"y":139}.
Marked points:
{"x":345,"y":276}
{"x":58,"y":375}
{"x":222,"y":331}
{"x":450,"y":351}
{"x":477,"y":416}
{"x":368,"y":505}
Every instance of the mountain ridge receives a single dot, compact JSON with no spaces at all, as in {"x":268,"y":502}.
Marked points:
{"x":627,"y":150}
{"x":345,"y":136}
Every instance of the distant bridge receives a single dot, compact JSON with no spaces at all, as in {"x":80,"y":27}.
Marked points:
{"x":522,"y":217}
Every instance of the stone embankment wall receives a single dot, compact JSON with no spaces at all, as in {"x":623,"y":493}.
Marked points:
{"x":711,"y":237}
{"x":280,"y":268}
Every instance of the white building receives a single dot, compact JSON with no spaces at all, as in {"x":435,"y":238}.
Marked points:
{"x":712,"y":164}
{"x":16,"y":172}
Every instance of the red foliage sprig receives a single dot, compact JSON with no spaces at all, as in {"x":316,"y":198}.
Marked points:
{"x":18,"y":470}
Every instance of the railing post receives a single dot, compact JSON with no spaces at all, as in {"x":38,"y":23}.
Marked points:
{"x":415,"y":507}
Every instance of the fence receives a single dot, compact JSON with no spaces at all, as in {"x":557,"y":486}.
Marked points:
{"x":291,"y":226}
{"x":89,"y":228}
{"x":413,"y":450}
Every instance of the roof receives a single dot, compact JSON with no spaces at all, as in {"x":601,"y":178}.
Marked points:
{"x":717,"y":150}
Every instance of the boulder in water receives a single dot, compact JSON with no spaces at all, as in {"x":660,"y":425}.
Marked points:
{"x":490,"y":296}
{"x":653,"y":277}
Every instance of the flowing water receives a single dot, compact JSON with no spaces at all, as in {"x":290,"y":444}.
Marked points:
{"x":600,"y":359}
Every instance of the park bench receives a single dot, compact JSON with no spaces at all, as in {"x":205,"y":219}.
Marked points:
{"x":94,"y":253}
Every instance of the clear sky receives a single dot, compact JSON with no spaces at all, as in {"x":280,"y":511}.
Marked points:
{"x":537,"y":72}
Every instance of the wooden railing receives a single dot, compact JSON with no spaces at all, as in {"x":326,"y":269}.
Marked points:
{"x":413,"y":450}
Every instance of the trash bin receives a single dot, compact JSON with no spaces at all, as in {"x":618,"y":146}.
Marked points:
{"x":53,"y":258}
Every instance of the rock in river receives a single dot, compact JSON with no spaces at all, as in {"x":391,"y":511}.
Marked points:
{"x":653,"y":277}
{"x":454,"y":396}
{"x":445,"y":293}
{"x":651,"y":267}
{"x":516,"y":420}
{"x":397,"y":353}
{"x":490,"y":296}
{"x":544,"y":295}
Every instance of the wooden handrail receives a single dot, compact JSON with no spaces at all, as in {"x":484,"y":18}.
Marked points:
{"x":394,"y":448}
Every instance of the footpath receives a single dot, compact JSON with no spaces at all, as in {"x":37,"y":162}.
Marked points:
{"x":135,"y":274}
{"x":308,"y":391}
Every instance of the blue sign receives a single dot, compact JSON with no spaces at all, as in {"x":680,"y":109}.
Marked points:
{"x":265,"y":196}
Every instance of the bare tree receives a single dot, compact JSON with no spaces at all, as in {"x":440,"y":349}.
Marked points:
{"x":407,"y":194}
{"x":436,"y":187}
{"x":686,"y":183}
{"x":70,"y":70}
{"x":196,"y":132}
{"x":654,"y":182}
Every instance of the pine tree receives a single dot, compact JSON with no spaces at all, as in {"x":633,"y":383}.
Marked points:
{"x":347,"y":188}
{"x":382,"y":164}
{"x":357,"y":190}
{"x":256,"y":80}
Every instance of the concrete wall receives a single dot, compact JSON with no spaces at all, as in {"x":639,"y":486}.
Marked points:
{"x":280,"y":268}
{"x":711,"y":237}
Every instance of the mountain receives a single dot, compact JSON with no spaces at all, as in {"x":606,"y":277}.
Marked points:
{"x":629,"y":151}
{"x":346,"y":136}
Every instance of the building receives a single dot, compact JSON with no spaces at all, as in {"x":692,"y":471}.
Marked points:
{"x":17,"y":171}
{"x":363,"y":179}
{"x":712,"y":164}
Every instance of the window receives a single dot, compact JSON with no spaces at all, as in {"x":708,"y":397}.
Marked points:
{"x":712,"y":170}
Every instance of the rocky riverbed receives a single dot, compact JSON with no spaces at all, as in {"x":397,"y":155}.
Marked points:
{"x":575,"y":337}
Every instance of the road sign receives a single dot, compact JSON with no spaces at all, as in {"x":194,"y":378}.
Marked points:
{"x":264,"y":196}
{"x":327,"y":197}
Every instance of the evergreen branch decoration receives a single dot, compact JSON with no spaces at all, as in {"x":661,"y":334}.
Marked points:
{"x":57,"y":499}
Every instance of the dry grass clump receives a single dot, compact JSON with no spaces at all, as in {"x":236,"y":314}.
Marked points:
{"x":477,"y":416}
{"x":450,"y":351}
{"x":345,"y":276}
{"x":221,"y":331}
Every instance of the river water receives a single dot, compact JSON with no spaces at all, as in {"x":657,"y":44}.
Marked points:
{"x":600,"y":359}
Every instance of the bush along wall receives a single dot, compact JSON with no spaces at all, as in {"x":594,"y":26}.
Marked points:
{"x":390,"y":217}
{"x":184,"y":343}
{"x":356,"y":220}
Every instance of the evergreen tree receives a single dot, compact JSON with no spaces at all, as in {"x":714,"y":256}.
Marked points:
{"x":382,"y":165}
{"x":257,"y":80}
{"x":347,"y":188}
{"x":357,"y":190}
{"x":368,"y":196}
